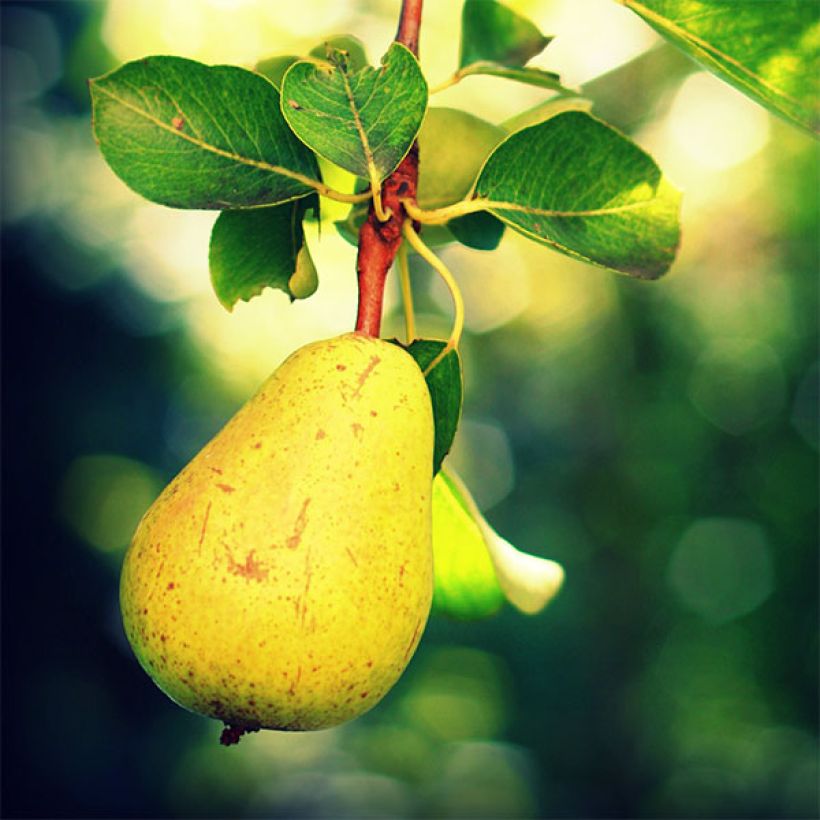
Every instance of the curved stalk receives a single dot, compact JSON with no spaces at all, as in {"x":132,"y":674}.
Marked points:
{"x":382,"y":213}
{"x":337,"y":196}
{"x":438,"y":216}
{"x":406,"y":294}
{"x":443,"y":271}
{"x":449,"y":82}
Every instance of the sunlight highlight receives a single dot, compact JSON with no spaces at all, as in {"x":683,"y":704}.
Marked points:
{"x":714,"y":125}
{"x":219,"y":31}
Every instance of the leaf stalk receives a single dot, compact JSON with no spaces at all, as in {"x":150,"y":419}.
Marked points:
{"x":458,"y":302}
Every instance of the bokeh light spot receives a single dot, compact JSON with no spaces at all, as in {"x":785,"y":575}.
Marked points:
{"x":103,"y":497}
{"x":714,"y":125}
{"x":458,"y":695}
{"x":722,"y":568}
{"x":738,"y":385}
{"x":481,"y":454}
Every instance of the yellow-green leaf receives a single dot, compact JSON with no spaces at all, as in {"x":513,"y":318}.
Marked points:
{"x":579,"y":186}
{"x":474,"y":566}
{"x":769,"y":49}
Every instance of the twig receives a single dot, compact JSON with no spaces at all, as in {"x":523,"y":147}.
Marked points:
{"x":379,"y":240}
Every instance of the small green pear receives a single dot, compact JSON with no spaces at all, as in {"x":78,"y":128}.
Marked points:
{"x":284,"y":578}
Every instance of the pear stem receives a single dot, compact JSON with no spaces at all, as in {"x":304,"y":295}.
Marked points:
{"x":381,"y":234}
{"x":232,"y":733}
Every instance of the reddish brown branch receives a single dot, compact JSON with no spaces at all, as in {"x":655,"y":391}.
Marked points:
{"x":379,"y":241}
{"x":409,"y":25}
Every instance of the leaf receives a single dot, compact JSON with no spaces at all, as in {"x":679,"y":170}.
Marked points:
{"x":463,"y":587}
{"x":465,"y":584}
{"x":453,"y":146}
{"x":264,"y":247}
{"x":493,"y":33}
{"x":364,"y":121}
{"x":543,"y":111}
{"x":352,"y":47}
{"x":529,"y":75}
{"x":446,"y":393}
{"x":769,"y":49}
{"x":498,"y":42}
{"x":480,"y":231}
{"x":579,"y":186}
{"x":189,"y":135}
{"x":275,"y":68}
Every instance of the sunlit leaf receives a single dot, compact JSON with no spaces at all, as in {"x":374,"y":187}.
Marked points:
{"x":530,"y":75}
{"x":544,"y":110}
{"x":275,"y":68}
{"x":462,"y":543}
{"x":492,"y":32}
{"x":465,"y":582}
{"x":189,"y":135}
{"x":363,"y":120}
{"x":769,"y":49}
{"x":264,"y":247}
{"x":352,"y":48}
{"x":582,"y":188}
{"x":497,"y":41}
{"x":446,"y":392}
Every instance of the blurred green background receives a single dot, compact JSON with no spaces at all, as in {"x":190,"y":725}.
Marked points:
{"x":660,"y":440}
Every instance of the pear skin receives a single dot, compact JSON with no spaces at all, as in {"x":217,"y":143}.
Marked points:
{"x":284,"y":578}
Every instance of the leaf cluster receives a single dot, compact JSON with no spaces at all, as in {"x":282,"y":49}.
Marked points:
{"x":251,"y":144}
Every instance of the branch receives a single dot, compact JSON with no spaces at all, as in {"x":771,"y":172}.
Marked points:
{"x":379,"y":241}
{"x":409,"y":25}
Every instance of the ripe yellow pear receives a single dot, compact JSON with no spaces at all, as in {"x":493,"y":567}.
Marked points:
{"x":284,"y":578}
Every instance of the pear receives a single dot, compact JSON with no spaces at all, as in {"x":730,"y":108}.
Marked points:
{"x":284,"y":578}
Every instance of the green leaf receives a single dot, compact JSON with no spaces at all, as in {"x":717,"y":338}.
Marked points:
{"x":480,"y":231}
{"x":446,"y":392}
{"x":453,"y":146}
{"x":264,"y":247}
{"x":189,"y":135}
{"x":498,"y":42}
{"x":584,"y":189}
{"x":463,"y":542}
{"x":544,"y":111}
{"x":769,"y":49}
{"x":493,"y":33}
{"x":364,"y":121}
{"x":275,"y":68}
{"x":529,"y":75}
{"x":465,"y":584}
{"x":352,"y":47}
